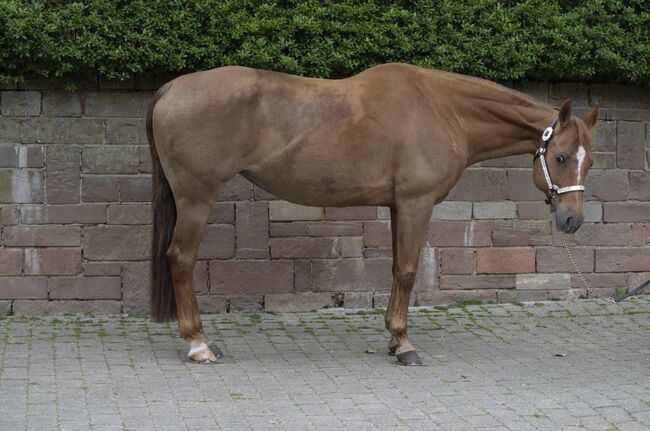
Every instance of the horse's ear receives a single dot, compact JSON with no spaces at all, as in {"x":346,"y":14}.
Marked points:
{"x":565,"y":112}
{"x":590,"y":119}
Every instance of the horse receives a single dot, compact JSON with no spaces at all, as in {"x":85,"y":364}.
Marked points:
{"x":394,"y":135}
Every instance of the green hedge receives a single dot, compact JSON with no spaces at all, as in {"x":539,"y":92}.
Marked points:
{"x":594,"y":40}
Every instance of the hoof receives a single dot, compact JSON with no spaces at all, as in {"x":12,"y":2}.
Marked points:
{"x":392,"y":348}
{"x":202,"y":354}
{"x":409,"y":358}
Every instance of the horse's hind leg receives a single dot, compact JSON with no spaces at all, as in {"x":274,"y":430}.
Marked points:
{"x":191,"y":217}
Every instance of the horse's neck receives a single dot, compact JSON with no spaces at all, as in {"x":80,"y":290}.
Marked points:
{"x":503,"y":123}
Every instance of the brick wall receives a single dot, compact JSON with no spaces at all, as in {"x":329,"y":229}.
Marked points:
{"x":74,"y":198}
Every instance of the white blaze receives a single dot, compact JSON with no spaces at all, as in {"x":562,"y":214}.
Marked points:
{"x":581,"y":158}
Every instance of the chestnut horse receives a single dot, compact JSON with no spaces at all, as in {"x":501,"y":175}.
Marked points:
{"x":394,"y":135}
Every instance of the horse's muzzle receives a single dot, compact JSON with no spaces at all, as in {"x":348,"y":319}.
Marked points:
{"x":566,"y":219}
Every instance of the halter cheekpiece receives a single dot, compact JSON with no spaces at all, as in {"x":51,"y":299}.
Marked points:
{"x":554,"y":190}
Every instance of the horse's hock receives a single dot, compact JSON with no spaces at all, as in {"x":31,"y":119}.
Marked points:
{"x":75,"y":195}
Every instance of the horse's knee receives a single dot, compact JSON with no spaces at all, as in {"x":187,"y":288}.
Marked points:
{"x":179,"y":261}
{"x":406,"y":276}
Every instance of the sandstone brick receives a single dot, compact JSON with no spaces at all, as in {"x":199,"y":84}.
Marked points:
{"x":459,"y":233}
{"x":52,"y":130}
{"x":534,"y":211}
{"x":101,"y":268}
{"x":620,"y":95}
{"x":456,"y":261}
{"x":145,"y":160}
{"x":495,"y":210}
{"x":201,"y":277}
{"x":480,"y":185}
{"x":249,"y":303}
{"x":475,"y":282}
{"x":237,"y":189}
{"x":505,"y":260}
{"x":41,"y":236}
{"x":346,"y":275}
{"x":297,"y":302}
{"x":100,"y":188}
{"x":351,"y":246}
{"x":287,"y":211}
{"x":287,"y":229}
{"x":135,"y":189}
{"x":136,"y":279}
{"x":62,"y":104}
{"x":11,"y":261}
{"x":44,"y":307}
{"x":84,"y":288}
{"x":597,"y":280}
{"x":33,"y":214}
{"x":116,"y":104}
{"x":357,"y":300}
{"x":5,"y":308}
{"x":9,"y":130}
{"x":518,"y":161}
{"x":593,"y":211}
{"x":117,"y":243}
{"x":537,"y":89}
{"x":607,"y":185}
{"x":637,"y":236}
{"x":377,"y":234}
{"x":521,"y":186}
{"x":21,"y":156}
{"x":222,"y":212}
{"x":380,"y":299}
{"x":635,"y":279}
{"x":630,"y":147}
{"x":23,"y":288}
{"x":302,"y":278}
{"x":383,"y":213}
{"x":21,"y":186}
{"x":451,"y":210}
{"x":218,"y":242}
{"x":213,"y":304}
{"x":126,"y":131}
{"x":522,"y":295}
{"x":259,"y":194}
{"x":338,"y":228}
{"x":444,"y":297}
{"x":605,"y":136}
{"x":252,"y":230}
{"x":10,"y":215}
{"x":555,"y":259}
{"x":508,"y":233}
{"x":622,"y":259}
{"x":543,"y":281}
{"x":640,"y":185}
{"x":603,"y":160}
{"x":578,"y":92}
{"x":63,"y":174}
{"x":596,"y":234}
{"x":129,"y":214}
{"x":303,"y":248}
{"x":52,"y":261}
{"x":350,"y":213}
{"x":251,"y":276}
{"x":111,"y":159}
{"x":626,"y":212}
{"x":20,"y":103}
{"x":83,"y":213}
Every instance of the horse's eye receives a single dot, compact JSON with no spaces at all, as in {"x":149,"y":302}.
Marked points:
{"x":560,"y":159}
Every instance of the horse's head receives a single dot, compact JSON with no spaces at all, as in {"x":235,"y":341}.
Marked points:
{"x":566,"y":152}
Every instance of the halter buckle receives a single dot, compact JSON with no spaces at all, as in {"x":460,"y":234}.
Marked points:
{"x":546,"y":135}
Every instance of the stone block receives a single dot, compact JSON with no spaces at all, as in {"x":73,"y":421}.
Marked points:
{"x":577,"y":92}
{"x":521,"y":186}
{"x":620,"y":96}
{"x":11,"y":261}
{"x":84,"y":288}
{"x":20,"y":103}
{"x":534,"y":211}
{"x":520,"y":232}
{"x":248,"y":303}
{"x":117,"y":104}
{"x":313,"y":248}
{"x":91,"y":269}
{"x":457,"y":261}
{"x":460,"y":233}
{"x":495,"y":210}
{"x":287,"y":229}
{"x":626,"y":212}
{"x":100,"y":188}
{"x":603,"y":160}
{"x":145,"y":159}
{"x":444,"y":297}
{"x":44,"y":307}
{"x":555,"y":259}
{"x":136,"y":280}
{"x":606,"y":234}
{"x":357,"y":300}
{"x":10,"y":215}
{"x":212,"y":304}
{"x":81,"y":213}
{"x":218,"y":242}
{"x":297,"y":302}
{"x":622,"y":259}
{"x":607,"y":185}
{"x":23,"y":288}
{"x":252,"y":230}
{"x":350,"y":213}
{"x":351,"y":246}
{"x":605,"y":136}
{"x":522,"y":295}
{"x":543,"y":281}
{"x":335,"y":228}
{"x":630,"y":145}
{"x":129,"y":214}
{"x":21,"y":156}
{"x":452,"y":210}
{"x":287,"y":211}
{"x":476,"y":282}
{"x":21,"y":186}
{"x":41,"y":236}
{"x":63,"y":174}
{"x":9,"y":130}
{"x":135,"y":189}
{"x":251,"y":276}
{"x":53,"y":130}
{"x":222,"y":212}
{"x":117,"y":243}
{"x":62,"y":104}
{"x":111,"y":159}
{"x":640,"y":186}
{"x":509,"y":260}
{"x":377,"y":234}
{"x":598,"y":280}
{"x":480,"y":185}
{"x":126,"y":131}
{"x":593,"y":211}
{"x":237,"y":189}
{"x":52,"y":261}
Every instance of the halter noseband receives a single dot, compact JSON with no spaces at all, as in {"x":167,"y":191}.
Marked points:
{"x":554,"y":190}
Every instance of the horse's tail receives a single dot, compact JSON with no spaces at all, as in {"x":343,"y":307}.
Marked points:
{"x":163,"y":303}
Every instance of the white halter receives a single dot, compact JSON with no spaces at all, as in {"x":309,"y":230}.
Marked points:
{"x":554,"y":190}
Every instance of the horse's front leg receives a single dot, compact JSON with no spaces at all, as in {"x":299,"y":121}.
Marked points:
{"x":408,"y":222}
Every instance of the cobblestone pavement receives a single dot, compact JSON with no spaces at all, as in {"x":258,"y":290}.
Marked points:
{"x":550,"y":366}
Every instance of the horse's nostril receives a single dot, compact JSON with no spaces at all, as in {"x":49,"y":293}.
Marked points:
{"x":569,"y":221}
